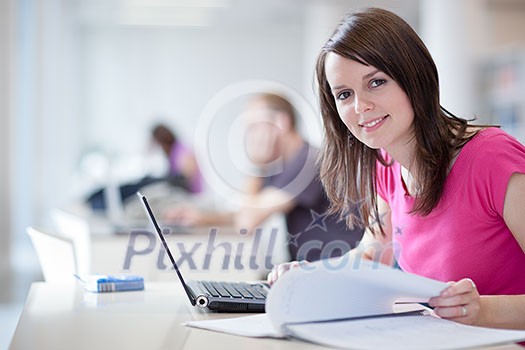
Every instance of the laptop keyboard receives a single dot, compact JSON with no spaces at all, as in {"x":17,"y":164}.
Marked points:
{"x":235,"y":290}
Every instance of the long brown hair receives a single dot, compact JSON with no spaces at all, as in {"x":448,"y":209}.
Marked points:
{"x":381,"y":39}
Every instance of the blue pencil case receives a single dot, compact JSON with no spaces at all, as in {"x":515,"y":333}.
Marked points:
{"x":112,"y":283}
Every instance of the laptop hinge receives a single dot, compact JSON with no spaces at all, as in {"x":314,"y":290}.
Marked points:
{"x":191,"y":295}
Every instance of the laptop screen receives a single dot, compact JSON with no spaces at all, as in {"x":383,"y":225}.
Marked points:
{"x":149,"y":212}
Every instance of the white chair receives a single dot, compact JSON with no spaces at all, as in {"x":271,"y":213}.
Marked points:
{"x":75,"y":228}
{"x":56,"y":255}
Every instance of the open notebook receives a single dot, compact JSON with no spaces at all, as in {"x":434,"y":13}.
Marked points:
{"x":351,"y":305}
{"x":214,"y":295}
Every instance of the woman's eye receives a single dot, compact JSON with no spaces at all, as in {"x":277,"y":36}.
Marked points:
{"x":344,"y":95}
{"x":377,"y":82}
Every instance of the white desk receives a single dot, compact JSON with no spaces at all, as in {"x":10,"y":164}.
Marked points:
{"x":214,"y":253}
{"x":65,"y":317}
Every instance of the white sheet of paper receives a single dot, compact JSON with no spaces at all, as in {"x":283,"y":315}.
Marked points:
{"x":403,"y":333}
{"x":248,"y":326}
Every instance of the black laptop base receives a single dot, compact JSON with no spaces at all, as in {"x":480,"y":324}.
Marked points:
{"x":220,"y":306}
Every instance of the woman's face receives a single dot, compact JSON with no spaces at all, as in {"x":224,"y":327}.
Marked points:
{"x":370,"y":103}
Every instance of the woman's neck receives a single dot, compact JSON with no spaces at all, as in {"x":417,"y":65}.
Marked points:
{"x":405,"y":156}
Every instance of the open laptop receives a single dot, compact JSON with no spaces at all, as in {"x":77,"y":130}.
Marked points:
{"x":213,"y":295}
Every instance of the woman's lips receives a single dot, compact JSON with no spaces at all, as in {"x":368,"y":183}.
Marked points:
{"x":373,"y":124}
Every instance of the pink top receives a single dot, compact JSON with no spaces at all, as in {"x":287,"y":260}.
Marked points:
{"x":465,"y":235}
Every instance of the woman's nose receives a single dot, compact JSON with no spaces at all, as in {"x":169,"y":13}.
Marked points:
{"x":362,"y":105}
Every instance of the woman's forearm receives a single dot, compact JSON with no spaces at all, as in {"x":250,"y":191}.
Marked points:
{"x":502,"y":311}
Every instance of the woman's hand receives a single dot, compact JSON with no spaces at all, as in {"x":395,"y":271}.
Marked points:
{"x":459,"y":302}
{"x":279,"y":270}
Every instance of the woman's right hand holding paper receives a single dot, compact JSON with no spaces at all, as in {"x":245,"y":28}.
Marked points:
{"x":279,"y":270}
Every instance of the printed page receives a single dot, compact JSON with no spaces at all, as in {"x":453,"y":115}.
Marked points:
{"x":403,"y":333}
{"x":333,"y":289}
{"x":248,"y":326}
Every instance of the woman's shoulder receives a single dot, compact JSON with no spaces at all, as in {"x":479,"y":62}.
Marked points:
{"x":486,"y":164}
{"x":491,"y":140}
{"x":493,"y":133}
{"x":491,"y":147}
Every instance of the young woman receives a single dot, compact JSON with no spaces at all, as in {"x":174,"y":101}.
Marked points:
{"x":182,"y":162}
{"x":445,"y":197}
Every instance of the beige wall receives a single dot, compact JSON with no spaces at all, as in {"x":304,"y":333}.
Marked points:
{"x":5,"y":113}
{"x":508,"y":26}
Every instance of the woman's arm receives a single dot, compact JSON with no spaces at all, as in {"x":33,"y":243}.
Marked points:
{"x":514,"y":208}
{"x":188,"y":166}
{"x":461,"y":302}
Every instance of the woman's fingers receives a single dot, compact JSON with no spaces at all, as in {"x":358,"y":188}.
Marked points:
{"x":465,"y":285}
{"x":459,"y":302}
{"x":279,"y":270}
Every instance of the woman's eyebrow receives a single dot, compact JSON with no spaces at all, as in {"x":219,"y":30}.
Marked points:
{"x":365,"y":77}
{"x":337,"y":87}
{"x":372,"y":73}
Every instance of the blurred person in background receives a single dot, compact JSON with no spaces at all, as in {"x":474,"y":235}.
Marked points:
{"x":288,"y":183}
{"x":182,"y":164}
{"x":183,"y":171}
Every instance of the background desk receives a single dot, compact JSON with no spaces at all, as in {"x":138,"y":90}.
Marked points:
{"x":65,"y":317}
{"x":100,"y":250}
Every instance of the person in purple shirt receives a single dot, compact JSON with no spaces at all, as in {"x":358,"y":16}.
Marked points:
{"x":181,"y":159}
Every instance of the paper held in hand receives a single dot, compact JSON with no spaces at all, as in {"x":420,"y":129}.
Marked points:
{"x":350,"y":304}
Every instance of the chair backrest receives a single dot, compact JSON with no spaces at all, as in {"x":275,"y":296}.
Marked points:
{"x":56,"y":255}
{"x":76,"y":228}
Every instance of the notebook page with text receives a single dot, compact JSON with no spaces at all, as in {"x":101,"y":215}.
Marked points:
{"x":403,"y":333}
